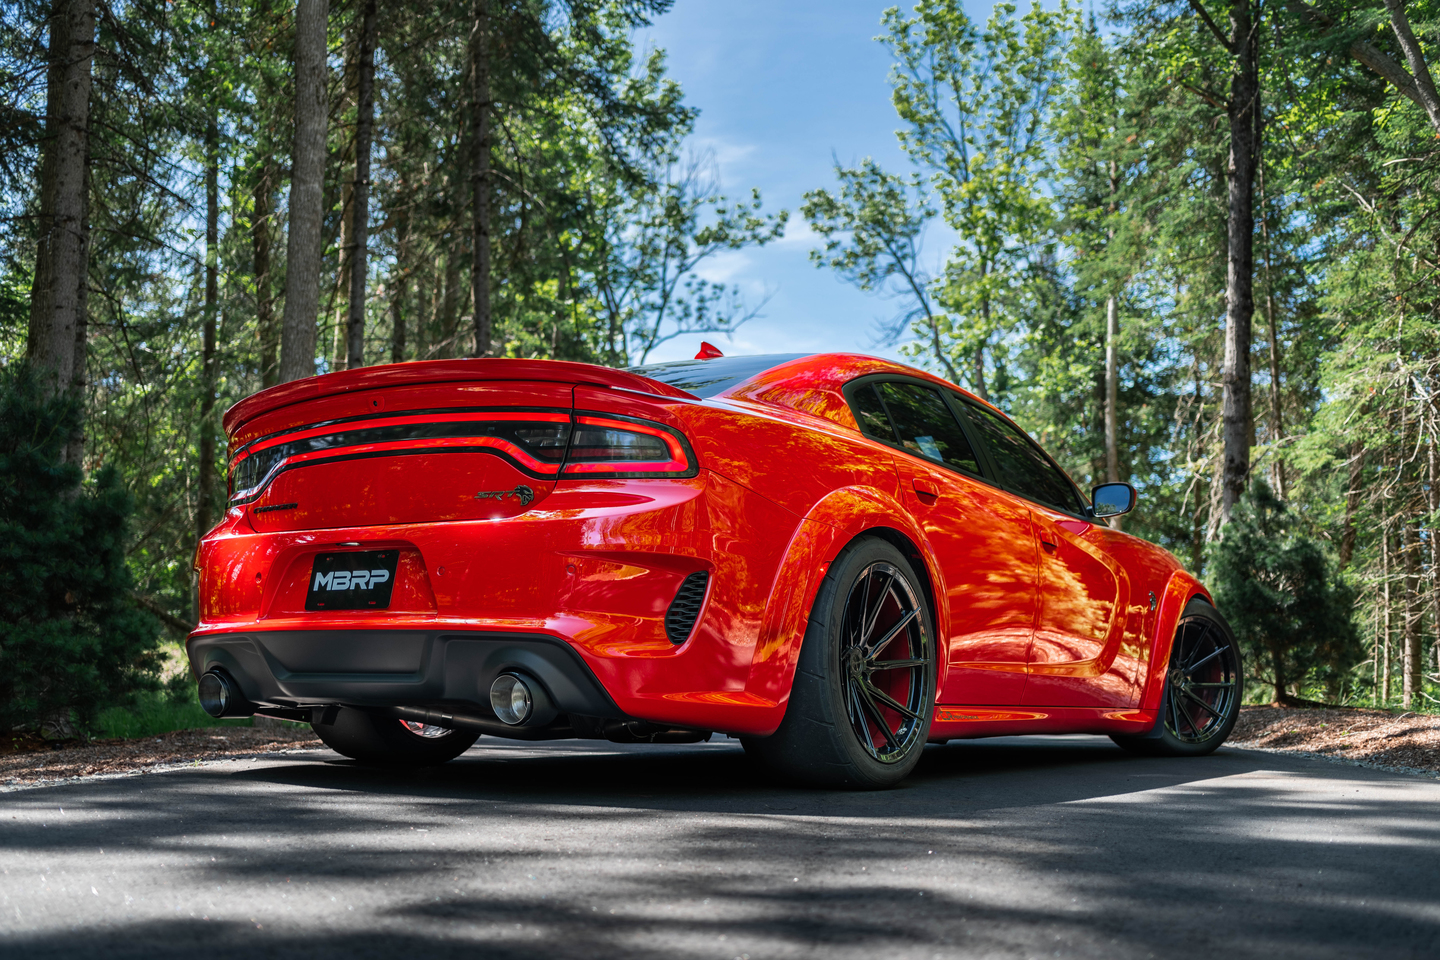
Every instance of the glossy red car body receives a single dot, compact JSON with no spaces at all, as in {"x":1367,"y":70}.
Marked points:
{"x":1047,"y":621}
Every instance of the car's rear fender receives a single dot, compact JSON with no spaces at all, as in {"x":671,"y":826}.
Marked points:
{"x":831,"y":525}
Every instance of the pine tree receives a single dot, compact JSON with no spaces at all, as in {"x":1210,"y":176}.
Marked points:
{"x":1290,"y":609}
{"x":72,"y":641}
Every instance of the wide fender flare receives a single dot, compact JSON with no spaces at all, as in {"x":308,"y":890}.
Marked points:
{"x":1179,"y":591}
{"x":831,"y":524}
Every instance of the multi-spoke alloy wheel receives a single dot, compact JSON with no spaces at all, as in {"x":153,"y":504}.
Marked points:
{"x":1202,"y":682}
{"x":864,"y":689}
{"x":886,"y":660}
{"x":1203,"y":687}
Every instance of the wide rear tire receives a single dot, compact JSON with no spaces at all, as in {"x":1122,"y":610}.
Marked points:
{"x":1204,"y":684}
{"x":864,"y":690}
{"x":386,"y":741}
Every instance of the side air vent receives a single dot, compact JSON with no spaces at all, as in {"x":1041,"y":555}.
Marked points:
{"x":685,"y":608}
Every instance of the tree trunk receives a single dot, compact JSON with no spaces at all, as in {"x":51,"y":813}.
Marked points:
{"x":1239,"y":292}
{"x":57,"y":294}
{"x":1278,"y":678}
{"x":337,"y":308}
{"x":260,"y":233}
{"x":977,"y":368}
{"x":1112,"y":391}
{"x":1385,"y":600}
{"x":307,"y":192}
{"x":1433,"y":502}
{"x":1112,"y":366}
{"x":480,"y":109}
{"x":1411,"y":665}
{"x":399,"y":285}
{"x":1414,"y":56}
{"x":1277,"y":426}
{"x":447,"y":323}
{"x":205,"y":485}
{"x":1352,"y":502}
{"x":360,"y":198}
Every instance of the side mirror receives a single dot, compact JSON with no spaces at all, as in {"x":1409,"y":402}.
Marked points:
{"x":1112,"y":499}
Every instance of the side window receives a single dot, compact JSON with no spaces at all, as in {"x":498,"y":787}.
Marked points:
{"x":870,"y":412}
{"x":1023,"y":468}
{"x":922,"y":423}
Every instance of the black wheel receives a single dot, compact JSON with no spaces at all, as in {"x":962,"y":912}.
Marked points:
{"x":1203,"y":687}
{"x":373,"y":738}
{"x":864,"y":690}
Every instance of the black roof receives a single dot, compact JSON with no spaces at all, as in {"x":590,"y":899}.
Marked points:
{"x":706,"y":378}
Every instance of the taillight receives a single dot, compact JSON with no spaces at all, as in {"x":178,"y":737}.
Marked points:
{"x":612,"y":446}
{"x":534,"y":441}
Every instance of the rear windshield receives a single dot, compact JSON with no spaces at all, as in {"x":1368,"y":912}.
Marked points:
{"x":706,"y":378}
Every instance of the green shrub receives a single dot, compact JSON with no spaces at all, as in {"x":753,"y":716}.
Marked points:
{"x":154,"y":712}
{"x":71,"y":640}
{"x":1290,"y":609}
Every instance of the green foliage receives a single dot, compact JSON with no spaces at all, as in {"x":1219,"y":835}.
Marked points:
{"x":872,"y":230}
{"x":71,"y":640}
{"x":154,"y":712}
{"x":975,"y":104}
{"x":1083,"y":164}
{"x":601,"y":213}
{"x":1290,"y":609}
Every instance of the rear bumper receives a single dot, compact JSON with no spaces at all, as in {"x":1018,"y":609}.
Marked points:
{"x":583,"y":581}
{"x":384,"y":668}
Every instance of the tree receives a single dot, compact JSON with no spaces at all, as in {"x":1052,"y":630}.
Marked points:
{"x":60,"y":286}
{"x":873,"y":230}
{"x":1291,"y":611}
{"x":1097,"y":169}
{"x":975,"y":105}
{"x":666,"y":225}
{"x":72,"y":641}
{"x":360,"y":197}
{"x":307,"y":186}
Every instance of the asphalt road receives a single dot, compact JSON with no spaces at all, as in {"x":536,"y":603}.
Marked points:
{"x":1027,"y":847}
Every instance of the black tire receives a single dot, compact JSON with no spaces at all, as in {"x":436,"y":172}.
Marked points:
{"x":841,"y":726}
{"x":387,"y":741}
{"x":1204,"y":683}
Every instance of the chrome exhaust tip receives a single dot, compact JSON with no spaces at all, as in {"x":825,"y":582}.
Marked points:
{"x":512,"y":699}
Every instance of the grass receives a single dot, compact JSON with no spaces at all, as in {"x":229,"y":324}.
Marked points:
{"x":160,"y":712}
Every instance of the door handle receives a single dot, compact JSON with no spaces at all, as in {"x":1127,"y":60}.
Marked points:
{"x":929,"y":491}
{"x":1048,"y":545}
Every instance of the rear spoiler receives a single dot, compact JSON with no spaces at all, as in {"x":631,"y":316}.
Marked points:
{"x":440,"y":371}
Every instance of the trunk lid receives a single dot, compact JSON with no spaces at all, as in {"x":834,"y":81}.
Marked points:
{"x":408,"y":443}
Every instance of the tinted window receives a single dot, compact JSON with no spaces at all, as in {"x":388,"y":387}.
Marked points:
{"x":706,"y":378}
{"x":871,"y":415}
{"x":1023,"y":468}
{"x":921,"y":422}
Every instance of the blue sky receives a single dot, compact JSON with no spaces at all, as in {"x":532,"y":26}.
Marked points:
{"x":784,"y":86}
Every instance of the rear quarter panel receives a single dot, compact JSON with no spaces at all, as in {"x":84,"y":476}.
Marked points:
{"x":833,"y":485}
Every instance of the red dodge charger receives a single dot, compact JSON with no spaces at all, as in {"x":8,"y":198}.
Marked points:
{"x":834,"y":558}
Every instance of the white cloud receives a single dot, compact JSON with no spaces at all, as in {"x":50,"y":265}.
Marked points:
{"x":798,"y":234}
{"x":724,"y":267}
{"x":729,"y":158}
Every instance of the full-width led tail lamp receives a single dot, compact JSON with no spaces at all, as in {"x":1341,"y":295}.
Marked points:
{"x":542,"y":443}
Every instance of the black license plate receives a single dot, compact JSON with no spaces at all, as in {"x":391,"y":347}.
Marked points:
{"x":357,"y":580}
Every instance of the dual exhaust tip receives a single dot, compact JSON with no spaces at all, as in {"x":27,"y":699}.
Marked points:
{"x":515,"y":698}
{"x":220,"y":696}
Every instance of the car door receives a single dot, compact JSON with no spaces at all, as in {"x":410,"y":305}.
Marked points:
{"x":1075,"y":655}
{"x":979,"y":534}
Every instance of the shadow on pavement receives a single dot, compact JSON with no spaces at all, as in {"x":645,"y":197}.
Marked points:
{"x":1017,"y":847}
